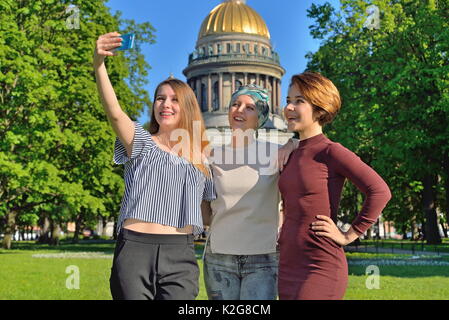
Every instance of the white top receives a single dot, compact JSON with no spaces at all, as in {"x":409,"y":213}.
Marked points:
{"x":246,"y":211}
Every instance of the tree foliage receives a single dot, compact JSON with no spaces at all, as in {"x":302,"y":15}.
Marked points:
{"x":394,"y":81}
{"x":55,"y":141}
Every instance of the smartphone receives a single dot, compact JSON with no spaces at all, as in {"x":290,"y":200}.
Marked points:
{"x":127,"y":41}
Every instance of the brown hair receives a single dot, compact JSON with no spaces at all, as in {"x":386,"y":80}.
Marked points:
{"x":321,"y":93}
{"x":190,"y":113}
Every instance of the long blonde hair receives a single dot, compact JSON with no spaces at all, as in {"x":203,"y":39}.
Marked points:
{"x":190,"y":114}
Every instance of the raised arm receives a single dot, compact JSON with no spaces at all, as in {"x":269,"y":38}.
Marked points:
{"x":123,"y":126}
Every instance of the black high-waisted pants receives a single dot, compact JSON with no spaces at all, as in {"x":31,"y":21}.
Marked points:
{"x":154,"y":267}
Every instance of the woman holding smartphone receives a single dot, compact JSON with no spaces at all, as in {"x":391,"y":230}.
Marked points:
{"x":160,"y":213}
{"x":312,"y":260}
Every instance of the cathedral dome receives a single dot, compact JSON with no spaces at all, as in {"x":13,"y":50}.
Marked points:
{"x":233,"y":16}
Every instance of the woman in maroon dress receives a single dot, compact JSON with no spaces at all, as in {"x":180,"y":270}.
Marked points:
{"x":312,"y":260}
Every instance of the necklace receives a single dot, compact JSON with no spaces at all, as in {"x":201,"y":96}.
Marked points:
{"x":163,"y":144}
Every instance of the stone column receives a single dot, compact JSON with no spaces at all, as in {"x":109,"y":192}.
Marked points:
{"x":274,"y":104}
{"x":209,"y":93}
{"x":196,"y":87}
{"x":198,"y":83}
{"x":257,"y":79}
{"x":274,"y":92}
{"x":195,"y":84}
{"x":232,"y":82}
{"x":220,"y":91}
{"x":245,"y":79}
{"x":279,"y":91}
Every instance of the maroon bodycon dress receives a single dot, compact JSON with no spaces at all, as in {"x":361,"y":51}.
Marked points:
{"x":315,"y":267}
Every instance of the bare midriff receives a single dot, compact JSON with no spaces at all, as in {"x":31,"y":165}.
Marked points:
{"x":155,"y":228}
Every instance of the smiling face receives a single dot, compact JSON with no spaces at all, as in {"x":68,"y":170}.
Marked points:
{"x":299,"y":112}
{"x":243,"y":113}
{"x":167,"y":111}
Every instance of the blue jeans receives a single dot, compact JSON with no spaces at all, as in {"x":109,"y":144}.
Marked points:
{"x":241,"y":277}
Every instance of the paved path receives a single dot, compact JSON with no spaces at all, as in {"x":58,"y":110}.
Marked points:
{"x":372,"y":249}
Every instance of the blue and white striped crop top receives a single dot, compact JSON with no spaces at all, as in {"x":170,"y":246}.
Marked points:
{"x":161,"y":187}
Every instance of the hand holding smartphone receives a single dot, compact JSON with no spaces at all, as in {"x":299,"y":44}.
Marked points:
{"x":107,"y":44}
{"x":127,"y":42}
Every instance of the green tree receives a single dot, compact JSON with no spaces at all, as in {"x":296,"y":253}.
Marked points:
{"x":394,"y":84}
{"x":55,"y":142}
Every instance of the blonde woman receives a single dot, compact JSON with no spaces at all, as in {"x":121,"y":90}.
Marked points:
{"x":154,"y":257}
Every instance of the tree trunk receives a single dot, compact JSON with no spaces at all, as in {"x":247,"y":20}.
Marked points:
{"x":423,"y":232}
{"x":114,"y":232}
{"x":369,"y":234}
{"x":378,"y":229}
{"x":105,"y":223}
{"x":404,"y":232}
{"x":446,"y":187}
{"x":428,"y":200}
{"x":44,"y":237}
{"x":78,"y":225}
{"x":444,"y":229}
{"x":55,"y":233}
{"x":9,"y":229}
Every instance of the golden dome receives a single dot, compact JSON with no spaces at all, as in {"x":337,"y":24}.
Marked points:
{"x":234,"y":16}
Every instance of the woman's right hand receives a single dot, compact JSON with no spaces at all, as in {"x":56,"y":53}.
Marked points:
{"x":104,"y":45}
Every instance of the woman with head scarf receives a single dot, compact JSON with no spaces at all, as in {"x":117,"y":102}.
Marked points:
{"x":241,"y":259}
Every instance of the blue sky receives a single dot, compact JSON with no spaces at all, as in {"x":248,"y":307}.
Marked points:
{"x":177,"y":23}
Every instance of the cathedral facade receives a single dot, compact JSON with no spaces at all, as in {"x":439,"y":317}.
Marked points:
{"x":234,"y":49}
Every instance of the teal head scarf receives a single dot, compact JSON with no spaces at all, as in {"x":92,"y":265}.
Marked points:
{"x":261,"y":100}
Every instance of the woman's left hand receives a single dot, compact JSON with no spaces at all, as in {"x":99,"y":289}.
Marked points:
{"x":326,"y":227}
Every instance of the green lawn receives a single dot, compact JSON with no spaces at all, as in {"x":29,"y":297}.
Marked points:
{"x":23,"y":276}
